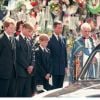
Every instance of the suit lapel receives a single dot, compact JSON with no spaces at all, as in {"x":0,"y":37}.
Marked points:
{"x":43,"y":54}
{"x":55,"y":39}
{"x":41,"y":50}
{"x":61,"y":41}
{"x":7,"y":41}
{"x":22,"y":43}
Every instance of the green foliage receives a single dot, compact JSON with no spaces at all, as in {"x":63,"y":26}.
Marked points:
{"x":19,"y":4}
{"x":93,"y":8}
{"x":1,"y":2}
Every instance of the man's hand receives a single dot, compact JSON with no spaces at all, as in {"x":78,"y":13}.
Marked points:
{"x":47,"y":76}
{"x":94,"y":60}
{"x":79,"y":54}
{"x":30,"y":69}
{"x":66,"y":70}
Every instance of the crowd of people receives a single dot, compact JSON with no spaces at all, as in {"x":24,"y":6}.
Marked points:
{"x":40,"y":44}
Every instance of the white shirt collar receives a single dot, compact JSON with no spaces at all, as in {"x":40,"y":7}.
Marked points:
{"x":22,"y":35}
{"x":41,"y":47}
{"x":6,"y":34}
{"x":57,"y":35}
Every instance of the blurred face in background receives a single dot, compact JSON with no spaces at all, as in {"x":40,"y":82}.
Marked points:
{"x":93,"y":25}
{"x":20,"y":27}
{"x":23,"y":8}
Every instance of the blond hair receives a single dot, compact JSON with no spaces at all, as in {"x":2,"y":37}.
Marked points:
{"x":8,"y":21}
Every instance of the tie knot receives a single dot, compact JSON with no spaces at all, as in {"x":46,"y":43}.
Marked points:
{"x":44,"y":50}
{"x":10,"y":38}
{"x":59,"y":38}
{"x":25,"y":38}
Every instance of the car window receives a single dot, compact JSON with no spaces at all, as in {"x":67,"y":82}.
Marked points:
{"x":93,"y":70}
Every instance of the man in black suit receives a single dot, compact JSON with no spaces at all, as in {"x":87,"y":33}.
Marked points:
{"x":57,"y":46}
{"x":8,"y":60}
{"x":24,"y":62}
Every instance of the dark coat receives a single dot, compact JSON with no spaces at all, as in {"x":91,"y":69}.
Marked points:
{"x":42,"y":64}
{"x":58,"y":55}
{"x":7,"y":57}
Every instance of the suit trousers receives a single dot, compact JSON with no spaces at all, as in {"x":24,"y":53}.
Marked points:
{"x":8,"y":87}
{"x":33,"y":84}
{"x":24,"y":87}
{"x":58,"y":81}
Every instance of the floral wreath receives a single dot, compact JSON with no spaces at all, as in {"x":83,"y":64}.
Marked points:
{"x":54,"y":7}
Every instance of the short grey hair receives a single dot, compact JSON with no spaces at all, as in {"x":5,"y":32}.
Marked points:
{"x":85,"y":25}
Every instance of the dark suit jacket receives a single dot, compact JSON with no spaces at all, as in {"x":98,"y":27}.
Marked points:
{"x":42,"y":64}
{"x":7,"y":57}
{"x":23,"y":57}
{"x":58,"y":55}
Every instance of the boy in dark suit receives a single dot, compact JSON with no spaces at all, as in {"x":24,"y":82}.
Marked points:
{"x":42,"y":63}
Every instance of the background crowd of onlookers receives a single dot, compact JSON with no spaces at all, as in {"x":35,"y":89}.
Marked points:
{"x":40,"y":39}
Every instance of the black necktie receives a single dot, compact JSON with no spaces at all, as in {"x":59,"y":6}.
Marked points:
{"x":12,"y":42}
{"x":10,"y":39}
{"x":44,"y":50}
{"x":59,"y":39}
{"x":28,"y":43}
{"x":13,"y":47}
{"x":28,"y":46}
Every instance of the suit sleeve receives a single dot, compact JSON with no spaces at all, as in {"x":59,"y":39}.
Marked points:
{"x":0,"y":47}
{"x":51,"y":61}
{"x":50,"y":64}
{"x":66,"y":63}
{"x":20,"y":56}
